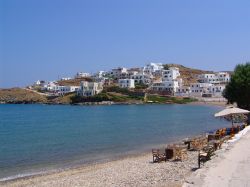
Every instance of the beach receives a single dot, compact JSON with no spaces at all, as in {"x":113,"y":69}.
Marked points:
{"x":131,"y":171}
{"x":229,"y":167}
{"x":126,"y":170}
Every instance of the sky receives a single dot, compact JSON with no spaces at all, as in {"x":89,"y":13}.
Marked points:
{"x":50,"y":39}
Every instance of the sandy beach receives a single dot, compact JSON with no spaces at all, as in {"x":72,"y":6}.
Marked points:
{"x":229,"y":167}
{"x":132,"y":171}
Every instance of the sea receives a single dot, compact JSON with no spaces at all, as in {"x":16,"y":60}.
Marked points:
{"x":37,"y":138}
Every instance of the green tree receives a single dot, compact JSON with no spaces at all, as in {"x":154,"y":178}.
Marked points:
{"x":238,"y":89}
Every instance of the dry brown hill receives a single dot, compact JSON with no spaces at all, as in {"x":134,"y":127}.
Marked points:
{"x":189,"y":75}
{"x":73,"y":82}
{"x":19,"y":95}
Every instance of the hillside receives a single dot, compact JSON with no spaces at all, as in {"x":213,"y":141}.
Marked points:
{"x":189,"y":75}
{"x":111,"y":93}
{"x":73,"y":82}
{"x":19,"y":95}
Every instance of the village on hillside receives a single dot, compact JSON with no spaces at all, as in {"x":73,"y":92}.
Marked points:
{"x":154,"y":78}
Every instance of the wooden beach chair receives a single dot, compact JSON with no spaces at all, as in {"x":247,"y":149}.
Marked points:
{"x":180,"y":153}
{"x":198,"y":144}
{"x":158,"y":156}
{"x":205,"y":155}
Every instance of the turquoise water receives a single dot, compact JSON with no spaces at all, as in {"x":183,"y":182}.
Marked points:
{"x":38,"y":138}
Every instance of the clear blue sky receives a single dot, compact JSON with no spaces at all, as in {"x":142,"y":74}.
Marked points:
{"x":44,"y":39}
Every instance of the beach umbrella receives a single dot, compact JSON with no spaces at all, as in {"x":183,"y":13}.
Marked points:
{"x":231,"y":112}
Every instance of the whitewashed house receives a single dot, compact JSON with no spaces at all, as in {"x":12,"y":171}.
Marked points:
{"x":61,"y":90}
{"x":119,"y":73}
{"x":215,"y":78}
{"x":126,"y":83}
{"x":152,"y":68}
{"x":169,"y":86}
{"x":215,"y":90}
{"x":99,"y":74}
{"x":133,"y":71}
{"x":171,"y":74}
{"x":66,"y":78}
{"x":141,"y":78}
{"x":223,"y":77}
{"x":82,"y":75}
{"x":170,"y":81}
{"x":90,"y":88}
{"x":183,"y":91}
{"x":50,"y":86}
{"x":40,"y":83}
{"x":198,"y":89}
{"x":208,"y":78}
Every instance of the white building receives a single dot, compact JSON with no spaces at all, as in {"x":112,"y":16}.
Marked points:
{"x":50,"y":86}
{"x":151,"y":68}
{"x":66,"y":89}
{"x":208,"y":78}
{"x":171,"y":74}
{"x":170,"y":86}
{"x":223,"y":77}
{"x":119,"y":73}
{"x":142,"y":78}
{"x":133,"y":71}
{"x":198,"y":89}
{"x":214,"y":78}
{"x":39,"y":83}
{"x":90,"y":88}
{"x":126,"y":83}
{"x":215,"y":90}
{"x":183,"y":91}
{"x":82,"y":74}
{"x":66,"y":78}
{"x":170,"y":81}
{"x":99,"y":74}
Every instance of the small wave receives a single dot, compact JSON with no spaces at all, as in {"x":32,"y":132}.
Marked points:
{"x":22,"y":176}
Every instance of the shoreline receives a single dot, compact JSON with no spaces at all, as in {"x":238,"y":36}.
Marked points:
{"x":211,"y":103}
{"x":146,"y":156}
{"x":104,"y":172}
{"x":142,"y":160}
{"x":127,"y":155}
{"x":136,"y":170}
{"x":133,"y":170}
